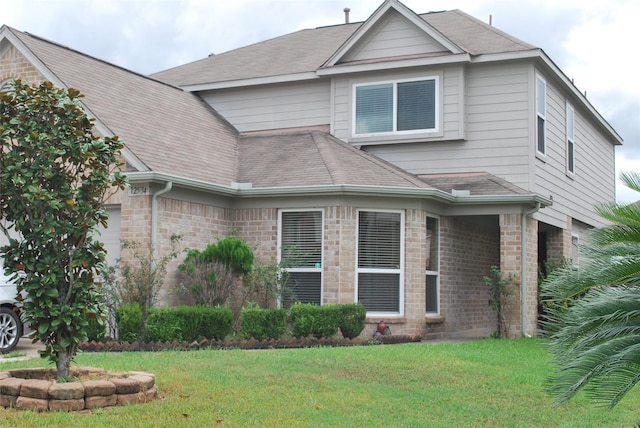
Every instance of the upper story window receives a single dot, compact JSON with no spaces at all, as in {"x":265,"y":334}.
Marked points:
{"x":541,"y":115}
{"x":403,"y":106}
{"x":570,"y":139}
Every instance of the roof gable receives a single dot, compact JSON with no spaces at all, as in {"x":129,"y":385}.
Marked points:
{"x":392,"y":30}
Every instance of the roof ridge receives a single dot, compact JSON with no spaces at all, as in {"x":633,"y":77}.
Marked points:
{"x":75,"y":51}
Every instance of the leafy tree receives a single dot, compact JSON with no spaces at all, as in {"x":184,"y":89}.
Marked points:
{"x":500,"y":290}
{"x":594,"y":311}
{"x":55,"y":175}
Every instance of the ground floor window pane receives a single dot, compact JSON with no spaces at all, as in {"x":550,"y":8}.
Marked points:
{"x":379,"y":292}
{"x":303,"y":287}
{"x":432,"y":294}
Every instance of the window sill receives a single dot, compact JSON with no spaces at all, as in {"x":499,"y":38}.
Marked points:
{"x":389,"y":319}
{"x":434,"y":319}
{"x":395,"y":138}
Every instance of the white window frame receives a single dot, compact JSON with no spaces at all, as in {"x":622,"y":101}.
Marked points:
{"x":541,"y":114}
{"x":316,"y":269}
{"x":571,"y":139}
{"x":436,"y":112}
{"x":399,"y":271}
{"x":436,"y":272}
{"x":5,"y":85}
{"x":575,"y":251}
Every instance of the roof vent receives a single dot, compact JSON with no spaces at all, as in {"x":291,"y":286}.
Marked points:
{"x":457,"y":192}
{"x":346,"y":15}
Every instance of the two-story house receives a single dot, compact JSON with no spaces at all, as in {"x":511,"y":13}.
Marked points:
{"x":402,"y":157}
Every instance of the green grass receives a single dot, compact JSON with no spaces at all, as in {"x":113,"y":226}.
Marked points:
{"x":484,"y":383}
{"x":13,"y":354}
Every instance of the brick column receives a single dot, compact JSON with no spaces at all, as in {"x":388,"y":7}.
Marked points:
{"x":511,"y":263}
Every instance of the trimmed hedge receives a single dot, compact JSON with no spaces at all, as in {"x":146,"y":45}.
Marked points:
{"x":188,"y":323}
{"x":352,"y":321}
{"x":129,"y":320}
{"x":262,"y":324}
{"x":313,"y":320}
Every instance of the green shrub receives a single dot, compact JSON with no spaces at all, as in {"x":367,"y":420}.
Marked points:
{"x":352,"y":320}
{"x":313,"y":320}
{"x":188,"y":323}
{"x":96,"y":330}
{"x":263,"y":324}
{"x":129,"y":321}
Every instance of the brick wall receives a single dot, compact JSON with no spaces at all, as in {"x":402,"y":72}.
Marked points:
{"x":15,"y":66}
{"x":468,"y":249}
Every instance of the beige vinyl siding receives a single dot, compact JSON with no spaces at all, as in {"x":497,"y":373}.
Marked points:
{"x":496,"y":130}
{"x":594,"y":178}
{"x":393,"y":36}
{"x":275,"y":106}
{"x":450,"y":109}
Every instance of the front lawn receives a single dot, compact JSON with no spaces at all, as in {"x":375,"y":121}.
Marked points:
{"x":484,"y":383}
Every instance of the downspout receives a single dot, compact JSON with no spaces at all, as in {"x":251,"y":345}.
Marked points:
{"x":523,"y":269}
{"x":154,"y":213}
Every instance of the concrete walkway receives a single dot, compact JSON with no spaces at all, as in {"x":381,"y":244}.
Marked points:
{"x":24,"y":346}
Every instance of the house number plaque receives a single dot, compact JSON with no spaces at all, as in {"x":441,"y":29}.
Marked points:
{"x":138,"y":190}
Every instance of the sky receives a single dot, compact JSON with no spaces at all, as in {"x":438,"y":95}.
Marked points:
{"x":594,"y":43}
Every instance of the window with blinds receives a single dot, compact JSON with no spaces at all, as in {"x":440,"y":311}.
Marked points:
{"x":301,"y":255}
{"x":380,"y":259}
{"x":570,"y":139}
{"x":541,"y":115}
{"x":403,"y":106}
{"x":432,"y":291}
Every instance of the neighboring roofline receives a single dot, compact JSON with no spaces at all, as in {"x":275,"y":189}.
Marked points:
{"x":244,"y":190}
{"x":376,"y":16}
{"x":8,"y":33}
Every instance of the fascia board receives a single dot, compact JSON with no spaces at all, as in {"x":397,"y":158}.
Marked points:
{"x":283,"y":78}
{"x":390,"y":65}
{"x":333,"y":190}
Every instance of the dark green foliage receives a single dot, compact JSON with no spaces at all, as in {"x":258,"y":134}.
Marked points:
{"x":129,"y":321}
{"x":213,"y":272}
{"x":352,"y":320}
{"x":263,"y":324}
{"x":96,"y":330}
{"x":593,"y":311}
{"x":500,"y":290}
{"x":188,"y":323}
{"x":55,"y":174}
{"x":313,"y":320}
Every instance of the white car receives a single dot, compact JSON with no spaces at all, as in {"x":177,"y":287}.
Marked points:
{"x":11,"y":327}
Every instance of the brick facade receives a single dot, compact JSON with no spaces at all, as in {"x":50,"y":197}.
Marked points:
{"x":13,"y":65}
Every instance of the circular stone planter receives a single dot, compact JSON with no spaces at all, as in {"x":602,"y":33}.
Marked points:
{"x":37,"y":389}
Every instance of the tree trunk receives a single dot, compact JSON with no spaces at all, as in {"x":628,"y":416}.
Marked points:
{"x":63,"y":365}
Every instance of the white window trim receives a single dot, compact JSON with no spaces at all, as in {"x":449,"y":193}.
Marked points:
{"x":571,"y":142}
{"x":400,"y":270}
{"x":5,"y":85}
{"x":539,"y":115}
{"x":575,"y":243}
{"x":433,"y":130}
{"x":307,"y":269}
{"x":435,"y":273}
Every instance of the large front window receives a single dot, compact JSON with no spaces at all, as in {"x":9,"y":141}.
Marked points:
{"x":396,"y":107}
{"x":380,"y":259}
{"x":301,"y":255}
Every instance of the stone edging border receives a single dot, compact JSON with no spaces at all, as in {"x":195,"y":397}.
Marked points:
{"x":37,"y":389}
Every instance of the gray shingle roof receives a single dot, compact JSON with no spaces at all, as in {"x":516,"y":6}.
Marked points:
{"x":477,"y":183}
{"x":308,"y":50}
{"x":170,"y":130}
{"x":310,"y":158}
